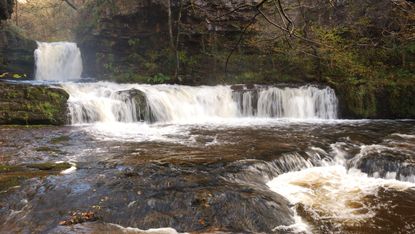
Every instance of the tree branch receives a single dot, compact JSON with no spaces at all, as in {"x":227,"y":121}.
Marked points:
{"x":71,"y":4}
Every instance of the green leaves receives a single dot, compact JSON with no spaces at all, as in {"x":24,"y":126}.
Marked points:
{"x":158,"y":79}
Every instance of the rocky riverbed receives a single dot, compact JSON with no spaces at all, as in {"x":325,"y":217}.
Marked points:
{"x":204,"y":178}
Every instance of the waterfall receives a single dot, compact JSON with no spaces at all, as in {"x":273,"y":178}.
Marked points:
{"x":306,"y":102}
{"x":58,"y":61}
{"x":110,"y":102}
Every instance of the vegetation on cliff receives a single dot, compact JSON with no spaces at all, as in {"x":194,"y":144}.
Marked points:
{"x":364,"y":49}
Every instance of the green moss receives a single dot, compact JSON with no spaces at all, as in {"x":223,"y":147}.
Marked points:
{"x":6,"y":168}
{"x":11,"y":176}
{"x":60,"y":139}
{"x":48,"y":110}
{"x":50,"y":166}
{"x":47,"y":149}
{"x":7,"y":182}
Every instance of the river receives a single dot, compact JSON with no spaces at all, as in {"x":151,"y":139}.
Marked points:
{"x":170,"y":158}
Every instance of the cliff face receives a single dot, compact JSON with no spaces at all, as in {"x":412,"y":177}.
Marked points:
{"x":16,"y":51}
{"x":16,"y":55}
{"x":130,"y":40}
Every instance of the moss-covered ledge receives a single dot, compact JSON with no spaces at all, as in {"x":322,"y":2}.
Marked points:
{"x":32,"y":104}
{"x":377,"y":101}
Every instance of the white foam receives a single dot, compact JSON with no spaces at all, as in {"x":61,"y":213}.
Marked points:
{"x":70,"y":170}
{"x":138,"y":132}
{"x":406,"y":136}
{"x":299,"y":226}
{"x":333,"y":192}
{"x":101,"y":102}
{"x":149,"y":231}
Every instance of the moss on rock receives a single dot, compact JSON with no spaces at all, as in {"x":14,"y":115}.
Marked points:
{"x":50,"y":166}
{"x":13,"y":175}
{"x":384,"y":101}
{"x":27,"y":104}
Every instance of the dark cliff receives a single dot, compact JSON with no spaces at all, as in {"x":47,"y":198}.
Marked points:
{"x":363,"y":49}
{"x":130,"y":40}
{"x":16,"y":54}
{"x":16,"y":51}
{"x":6,"y":9}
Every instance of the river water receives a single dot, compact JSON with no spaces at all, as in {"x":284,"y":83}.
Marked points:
{"x":251,"y":175}
{"x":208,"y":159}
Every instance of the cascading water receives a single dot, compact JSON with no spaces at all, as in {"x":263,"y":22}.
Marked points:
{"x":108,"y":102}
{"x":58,"y":61}
{"x":306,"y":102}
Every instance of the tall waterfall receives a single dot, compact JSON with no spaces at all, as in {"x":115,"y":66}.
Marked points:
{"x":110,"y":102}
{"x":58,"y":61}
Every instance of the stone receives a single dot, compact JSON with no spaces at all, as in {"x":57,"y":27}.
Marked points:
{"x":32,"y":104}
{"x":139,"y":100}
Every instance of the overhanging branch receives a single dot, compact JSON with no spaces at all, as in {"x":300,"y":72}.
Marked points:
{"x":71,"y":4}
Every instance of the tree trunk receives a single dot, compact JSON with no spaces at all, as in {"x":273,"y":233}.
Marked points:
{"x":176,"y":48}
{"x":170,"y":23}
{"x":16,"y":13}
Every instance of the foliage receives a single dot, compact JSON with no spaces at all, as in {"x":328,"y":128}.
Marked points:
{"x":46,"y":20}
{"x":158,"y":79}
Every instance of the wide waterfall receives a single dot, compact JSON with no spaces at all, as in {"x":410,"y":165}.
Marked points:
{"x":306,"y":102}
{"x":58,"y":61}
{"x":109,"y":102}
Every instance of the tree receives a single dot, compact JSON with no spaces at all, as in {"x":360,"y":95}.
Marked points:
{"x":46,"y":20}
{"x":6,"y":9}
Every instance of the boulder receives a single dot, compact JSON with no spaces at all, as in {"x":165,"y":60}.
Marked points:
{"x":138,"y":99}
{"x":32,"y":104}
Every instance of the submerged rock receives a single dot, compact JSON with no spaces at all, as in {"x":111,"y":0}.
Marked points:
{"x":28,"y":104}
{"x":14,"y":175}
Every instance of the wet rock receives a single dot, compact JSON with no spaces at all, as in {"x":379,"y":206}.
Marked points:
{"x":60,"y":139}
{"x":186,"y":201}
{"x":49,"y":166}
{"x":79,"y":217}
{"x":100,"y":227}
{"x":28,"y":104}
{"x":138,"y":99}
{"x":387,"y":165}
{"x":14,"y":175}
{"x":185,"y":198}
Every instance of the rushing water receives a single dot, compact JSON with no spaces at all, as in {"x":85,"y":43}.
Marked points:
{"x":208,"y":159}
{"x":109,"y":102}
